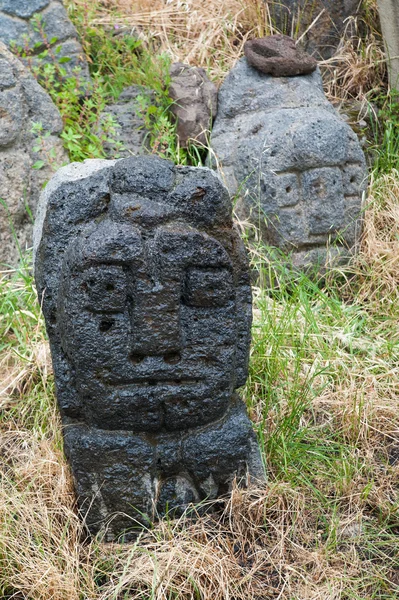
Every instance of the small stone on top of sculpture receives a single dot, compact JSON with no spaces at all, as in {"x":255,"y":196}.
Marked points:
{"x":279,"y":56}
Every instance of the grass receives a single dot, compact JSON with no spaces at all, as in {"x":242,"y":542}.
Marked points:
{"x":323,"y":389}
{"x":323,"y":393}
{"x":324,"y":396}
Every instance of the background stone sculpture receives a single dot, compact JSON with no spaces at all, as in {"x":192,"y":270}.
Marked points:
{"x":297,"y":168}
{"x":195,"y":103}
{"x":147,"y":302}
{"x":22,"y":103}
{"x":24,"y":22}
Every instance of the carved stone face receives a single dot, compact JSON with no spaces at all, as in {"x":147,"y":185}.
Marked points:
{"x":296,"y":167}
{"x":150,"y":327}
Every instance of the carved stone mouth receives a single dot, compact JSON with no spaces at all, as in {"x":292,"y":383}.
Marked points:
{"x":156,"y":382}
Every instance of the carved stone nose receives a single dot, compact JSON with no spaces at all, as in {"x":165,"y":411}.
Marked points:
{"x":156,"y":322}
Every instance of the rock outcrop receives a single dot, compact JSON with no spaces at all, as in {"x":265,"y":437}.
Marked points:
{"x":296,"y":167}
{"x":38,"y":25}
{"x":22,"y":103}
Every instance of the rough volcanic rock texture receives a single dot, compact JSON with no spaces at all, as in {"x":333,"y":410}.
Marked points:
{"x":278,"y":55}
{"x":36,"y":23}
{"x":147,"y":303}
{"x":297,"y":167}
{"x":131,"y":136}
{"x":195,"y":103}
{"x":322,"y":22}
{"x":22,"y":103}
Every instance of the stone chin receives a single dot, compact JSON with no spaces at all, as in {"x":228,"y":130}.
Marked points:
{"x":168,"y":406}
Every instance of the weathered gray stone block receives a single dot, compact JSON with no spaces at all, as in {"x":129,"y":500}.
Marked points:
{"x":22,"y":103}
{"x":131,"y":135}
{"x":297,"y":168}
{"x":19,"y":27}
{"x":195,"y":103}
{"x":147,"y":302}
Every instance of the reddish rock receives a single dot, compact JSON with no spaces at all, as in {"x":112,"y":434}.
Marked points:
{"x":277,"y":55}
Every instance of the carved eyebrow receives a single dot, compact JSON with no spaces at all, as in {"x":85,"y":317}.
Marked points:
{"x":190,"y":246}
{"x":113,"y":243}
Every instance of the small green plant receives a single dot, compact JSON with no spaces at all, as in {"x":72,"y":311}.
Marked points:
{"x":116,"y":62}
{"x":47,"y":156}
{"x":123,"y":60}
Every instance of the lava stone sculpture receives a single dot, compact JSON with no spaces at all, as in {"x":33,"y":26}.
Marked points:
{"x":146,"y":295}
{"x":296,"y":168}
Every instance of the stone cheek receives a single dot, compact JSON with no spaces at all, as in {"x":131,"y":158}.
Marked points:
{"x":148,"y":310}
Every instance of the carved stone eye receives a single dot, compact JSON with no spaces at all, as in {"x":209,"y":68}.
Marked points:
{"x":105,"y":288}
{"x":106,"y":325}
{"x":208,"y":287}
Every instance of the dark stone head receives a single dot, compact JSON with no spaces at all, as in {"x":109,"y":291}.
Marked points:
{"x":145,"y":292}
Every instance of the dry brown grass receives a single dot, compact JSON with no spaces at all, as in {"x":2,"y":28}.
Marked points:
{"x":212,"y":35}
{"x":209,"y":34}
{"x":267,"y":543}
{"x":40,"y":533}
{"x":377,"y":266}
